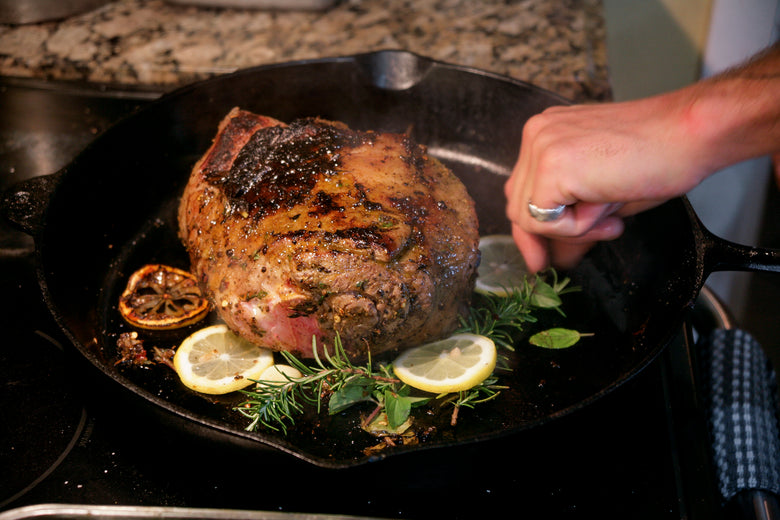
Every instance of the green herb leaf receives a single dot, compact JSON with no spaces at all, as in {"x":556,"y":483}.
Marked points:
{"x":398,"y":407}
{"x":555,"y":338}
{"x":349,"y":394}
{"x":545,"y":296}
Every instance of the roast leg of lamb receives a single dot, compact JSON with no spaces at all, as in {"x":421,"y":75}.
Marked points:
{"x":304,"y":231}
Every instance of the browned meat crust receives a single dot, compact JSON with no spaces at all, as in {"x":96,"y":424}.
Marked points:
{"x":312,"y":229}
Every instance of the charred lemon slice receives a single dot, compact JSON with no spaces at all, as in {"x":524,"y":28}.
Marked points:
{"x":162,"y":297}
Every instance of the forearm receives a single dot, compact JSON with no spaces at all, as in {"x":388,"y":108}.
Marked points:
{"x":735,"y":115}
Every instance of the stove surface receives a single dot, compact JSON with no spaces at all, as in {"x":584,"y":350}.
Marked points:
{"x":637,"y":453}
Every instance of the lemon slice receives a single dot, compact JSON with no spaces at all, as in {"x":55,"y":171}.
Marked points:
{"x":453,"y":364}
{"x":501,"y":268}
{"x":213,"y":360}
{"x":278,"y":374}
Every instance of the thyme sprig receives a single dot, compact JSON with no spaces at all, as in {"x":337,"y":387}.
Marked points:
{"x":333,"y":377}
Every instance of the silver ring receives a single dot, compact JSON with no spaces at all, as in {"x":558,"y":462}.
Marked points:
{"x":545,"y":215}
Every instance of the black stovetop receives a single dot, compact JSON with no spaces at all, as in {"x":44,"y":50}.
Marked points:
{"x":640,"y":452}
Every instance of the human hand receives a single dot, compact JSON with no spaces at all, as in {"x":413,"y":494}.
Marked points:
{"x":607,"y":161}
{"x":603,"y":162}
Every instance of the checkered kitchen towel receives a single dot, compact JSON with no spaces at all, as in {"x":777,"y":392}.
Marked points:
{"x":741,"y":391}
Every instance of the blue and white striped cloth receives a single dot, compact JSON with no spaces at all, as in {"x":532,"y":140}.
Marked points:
{"x":741,"y":394}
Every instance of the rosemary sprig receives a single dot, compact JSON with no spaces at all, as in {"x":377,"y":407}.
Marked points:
{"x":502,"y":318}
{"x":273,"y":404}
{"x":483,"y":392}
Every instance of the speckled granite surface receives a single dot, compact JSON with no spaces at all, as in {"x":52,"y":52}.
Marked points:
{"x":555,"y":44}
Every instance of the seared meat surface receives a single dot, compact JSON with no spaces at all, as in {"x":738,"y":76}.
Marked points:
{"x":310,"y":229}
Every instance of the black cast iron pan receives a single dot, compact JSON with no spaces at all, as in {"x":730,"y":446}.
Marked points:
{"x":112,"y":210}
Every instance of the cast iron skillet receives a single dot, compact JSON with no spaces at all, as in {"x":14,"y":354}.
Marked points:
{"x":112,"y":210}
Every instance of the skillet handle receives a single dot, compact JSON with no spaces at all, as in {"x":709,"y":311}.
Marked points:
{"x":25,"y":203}
{"x":723,"y":255}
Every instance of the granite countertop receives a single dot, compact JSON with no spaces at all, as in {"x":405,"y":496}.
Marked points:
{"x":554,"y":44}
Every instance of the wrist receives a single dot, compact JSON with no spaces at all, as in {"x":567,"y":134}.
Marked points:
{"x":734,"y":116}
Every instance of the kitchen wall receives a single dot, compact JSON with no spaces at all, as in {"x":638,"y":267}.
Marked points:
{"x":654,"y":45}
